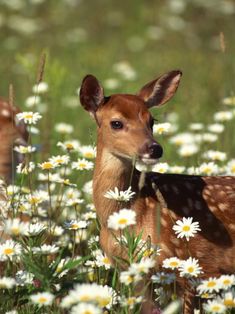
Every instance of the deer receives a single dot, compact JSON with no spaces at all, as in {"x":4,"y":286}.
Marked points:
{"x":11,"y":132}
{"x":124,"y":127}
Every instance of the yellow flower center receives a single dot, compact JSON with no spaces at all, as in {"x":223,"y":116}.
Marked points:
{"x":233,"y":169}
{"x":211,"y":284}
{"x":59,"y":161}
{"x":74,"y":226}
{"x":190,"y":269}
{"x":85,"y":298}
{"x":174,"y":264}
{"x":82,"y":165}
{"x":8,"y":251}
{"x":131,"y":301}
{"x":106,"y":260}
{"x":28,"y":116}
{"x":186,"y":228}
{"x":229,"y":302}
{"x":88,"y":155}
{"x":47,"y":165}
{"x":103,"y":301}
{"x":87,"y":312}
{"x":122,"y":221}
{"x":42,"y":300}
{"x":34,"y":200}
{"x":215,"y":308}
{"x":69,"y":146}
{"x":15,"y":230}
{"x":226,"y":282}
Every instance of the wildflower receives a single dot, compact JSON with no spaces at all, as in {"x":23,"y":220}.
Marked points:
{"x":222,"y":116}
{"x":122,"y":219}
{"x":177,"y":169}
{"x":42,"y":298}
{"x":208,"y":169}
{"x":34,"y":229}
{"x":228,"y":299}
{"x":75,"y":224}
{"x":229,"y":101}
{"x":40,"y":88}
{"x":82,"y":164}
{"x":51,"y":177}
{"x":214,"y":306}
{"x":74,"y":201}
{"x":163,"y":278}
{"x":102,"y":260}
{"x":230,"y":167}
{"x":190,"y":268}
{"x":64,"y":128}
{"x":29,"y":117}
{"x":24,"y":149}
{"x":69,"y":145}
{"x":88,"y":187}
{"x":24,"y":278}
{"x":188,"y":150}
{"x":37,"y":197}
{"x":32,"y":101}
{"x":210,"y":285}
{"x":227,"y":281}
{"x":47,"y":165}
{"x":45,"y":249}
{"x":60,"y":270}
{"x":182,"y":139}
{"x":25,"y":168}
{"x":215,"y":155}
{"x":186,"y":228}
{"x":14,"y":227}
{"x":196,"y":126}
{"x":129,"y":276}
{"x":88,"y":152}
{"x":209,"y":137}
{"x":121,"y":196}
{"x":172,"y":263}
{"x":111,"y":83}
{"x":59,"y":160}
{"x":143,"y":266}
{"x":125,"y":70}
{"x":161,"y":128}
{"x":7,"y":282}
{"x":89,"y":216}
{"x":216,"y":128}
{"x":10,"y":250}
{"x":85,"y":308}
{"x":161,"y":167}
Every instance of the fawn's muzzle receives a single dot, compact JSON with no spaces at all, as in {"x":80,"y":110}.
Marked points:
{"x":150,"y":152}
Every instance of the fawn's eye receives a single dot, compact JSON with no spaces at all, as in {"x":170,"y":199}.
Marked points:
{"x":116,"y":125}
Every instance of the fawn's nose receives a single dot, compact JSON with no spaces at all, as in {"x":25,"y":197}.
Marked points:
{"x":155,"y":150}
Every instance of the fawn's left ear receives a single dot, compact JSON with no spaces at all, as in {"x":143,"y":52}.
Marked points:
{"x":91,"y":94}
{"x":160,"y":90}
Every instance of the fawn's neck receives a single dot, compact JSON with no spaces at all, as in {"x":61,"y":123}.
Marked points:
{"x":6,"y":156}
{"x":110,"y":172}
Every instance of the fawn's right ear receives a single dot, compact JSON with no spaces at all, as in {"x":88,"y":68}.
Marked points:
{"x":91,"y":94}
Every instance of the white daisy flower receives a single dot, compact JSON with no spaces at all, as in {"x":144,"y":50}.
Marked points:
{"x":64,"y":128}
{"x":25,"y":168}
{"x":172,"y":263}
{"x":163,"y":278}
{"x":111,"y":83}
{"x":32,"y":101}
{"x":182,"y":139}
{"x":7,"y":282}
{"x":76,"y":224}
{"x":10,"y":250}
{"x":227,"y":281}
{"x":129,"y":276}
{"x":228,"y":299}
{"x":40,"y":88}
{"x":214,"y":306}
{"x":190,"y":268}
{"x":131,"y":301}
{"x":102,"y":260}
{"x":188,"y":150}
{"x":34,"y":229}
{"x":161,"y":167}
{"x":82,"y":164}
{"x":85,"y":308}
{"x":59,"y":160}
{"x":161,"y":128}
{"x":209,"y":137}
{"x":229,"y":101}
{"x":69,"y":145}
{"x":121,"y":196}
{"x":29,"y":117}
{"x":222,"y":116}
{"x":14,"y":227}
{"x":47,"y":165}
{"x":143,"y":266}
{"x":209,"y":285}
{"x":122,"y":219}
{"x":215,"y":155}
{"x":24,"y":278}
{"x":42,"y":298}
{"x":230,"y":167}
{"x":216,"y":128}
{"x":196,"y":126}
{"x":24,"y":149}
{"x":208,"y":169}
{"x":186,"y":228}
{"x":88,"y":152}
{"x":45,"y":249}
{"x":177,"y":169}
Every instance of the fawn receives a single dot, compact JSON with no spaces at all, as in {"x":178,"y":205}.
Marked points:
{"x":125,"y":133}
{"x":11,"y":131}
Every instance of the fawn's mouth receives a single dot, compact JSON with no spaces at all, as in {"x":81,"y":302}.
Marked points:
{"x":148,"y":161}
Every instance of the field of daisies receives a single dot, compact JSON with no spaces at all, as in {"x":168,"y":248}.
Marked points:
{"x":50,"y":257}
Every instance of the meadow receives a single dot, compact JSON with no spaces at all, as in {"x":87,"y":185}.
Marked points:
{"x":50,"y":258}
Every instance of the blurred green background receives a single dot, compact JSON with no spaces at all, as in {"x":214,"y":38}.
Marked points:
{"x":145,"y":38}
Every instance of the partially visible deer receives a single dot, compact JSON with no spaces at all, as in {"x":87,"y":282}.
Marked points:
{"x":125,"y":133}
{"x":11,"y":132}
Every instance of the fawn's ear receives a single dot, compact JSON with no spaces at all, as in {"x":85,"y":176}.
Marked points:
{"x":91,"y":94}
{"x":160,"y":90}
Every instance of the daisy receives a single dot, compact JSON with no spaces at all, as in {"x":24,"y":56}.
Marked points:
{"x":24,"y":278}
{"x":82,"y":164}
{"x":208,"y":169}
{"x":161,"y":128}
{"x":190,"y":268}
{"x":215,"y":155}
{"x":227,"y":281}
{"x":34,"y":229}
{"x":15,"y":227}
{"x":216,"y":128}
{"x":182,"y":139}
{"x":230,"y":167}
{"x":222,"y":116}
{"x":45,"y":249}
{"x":172,"y":263}
{"x":122,"y":219}
{"x":229,"y":101}
{"x":25,"y":168}
{"x":88,"y":152}
{"x":75,"y":224}
{"x":129,"y":276}
{"x":42,"y":298}
{"x":215,"y":306}
{"x":59,"y":160}
{"x":143,"y":266}
{"x":188,"y":150}
{"x":69,"y":145}
{"x":196,"y":126}
{"x":10,"y":250}
{"x":177,"y":169}
{"x":209,"y":137}
{"x":228,"y":299}
{"x":102,"y":260}
{"x":163,"y":278}
{"x":64,"y":128}
{"x":40,"y":88}
{"x":47,"y":165}
{"x":7,"y":282}
{"x":85,"y":308}
{"x":131,"y":301}
{"x":161,"y":167}
{"x":210,"y":285}
{"x":24,"y":149}
{"x":186,"y":228}
{"x":32,"y":101}
{"x":29,"y":117}
{"x":121,"y":196}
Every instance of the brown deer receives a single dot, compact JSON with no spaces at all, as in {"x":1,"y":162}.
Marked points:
{"x":11,"y":132}
{"x":125,"y":133}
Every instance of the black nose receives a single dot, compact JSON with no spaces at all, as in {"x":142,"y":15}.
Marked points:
{"x":155,"y":150}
